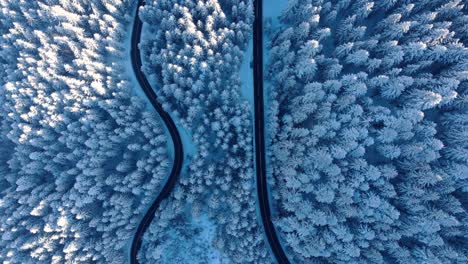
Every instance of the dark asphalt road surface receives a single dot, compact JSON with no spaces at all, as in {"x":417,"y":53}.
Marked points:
{"x":178,"y":150}
{"x":262,"y":185}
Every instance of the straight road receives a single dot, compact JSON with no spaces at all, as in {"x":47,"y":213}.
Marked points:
{"x":178,"y":150}
{"x":262,"y":186}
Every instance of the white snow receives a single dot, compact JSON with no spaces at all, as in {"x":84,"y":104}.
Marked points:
{"x":206,"y":237}
{"x":273,"y":11}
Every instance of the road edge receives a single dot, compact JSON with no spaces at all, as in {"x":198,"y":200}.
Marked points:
{"x":260,"y":159}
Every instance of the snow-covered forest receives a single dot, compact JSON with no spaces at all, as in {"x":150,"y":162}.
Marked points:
{"x":193,"y":51}
{"x":368,"y":123}
{"x":81,"y":157}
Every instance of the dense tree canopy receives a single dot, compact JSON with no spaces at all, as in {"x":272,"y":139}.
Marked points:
{"x":368,"y":127}
{"x":367,"y":130}
{"x":80,"y":155}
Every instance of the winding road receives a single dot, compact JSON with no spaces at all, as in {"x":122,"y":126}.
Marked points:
{"x":260,"y":160}
{"x":178,"y":150}
{"x":262,"y":185}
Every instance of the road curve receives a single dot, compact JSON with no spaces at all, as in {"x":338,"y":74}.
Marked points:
{"x":178,"y":150}
{"x":262,"y":187}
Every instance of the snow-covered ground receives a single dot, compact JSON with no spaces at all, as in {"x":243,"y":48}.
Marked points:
{"x":206,"y":236}
{"x":273,"y":11}
{"x":191,"y":243}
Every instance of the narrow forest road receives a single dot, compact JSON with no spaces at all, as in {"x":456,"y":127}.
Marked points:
{"x":178,"y":150}
{"x":260,"y":160}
